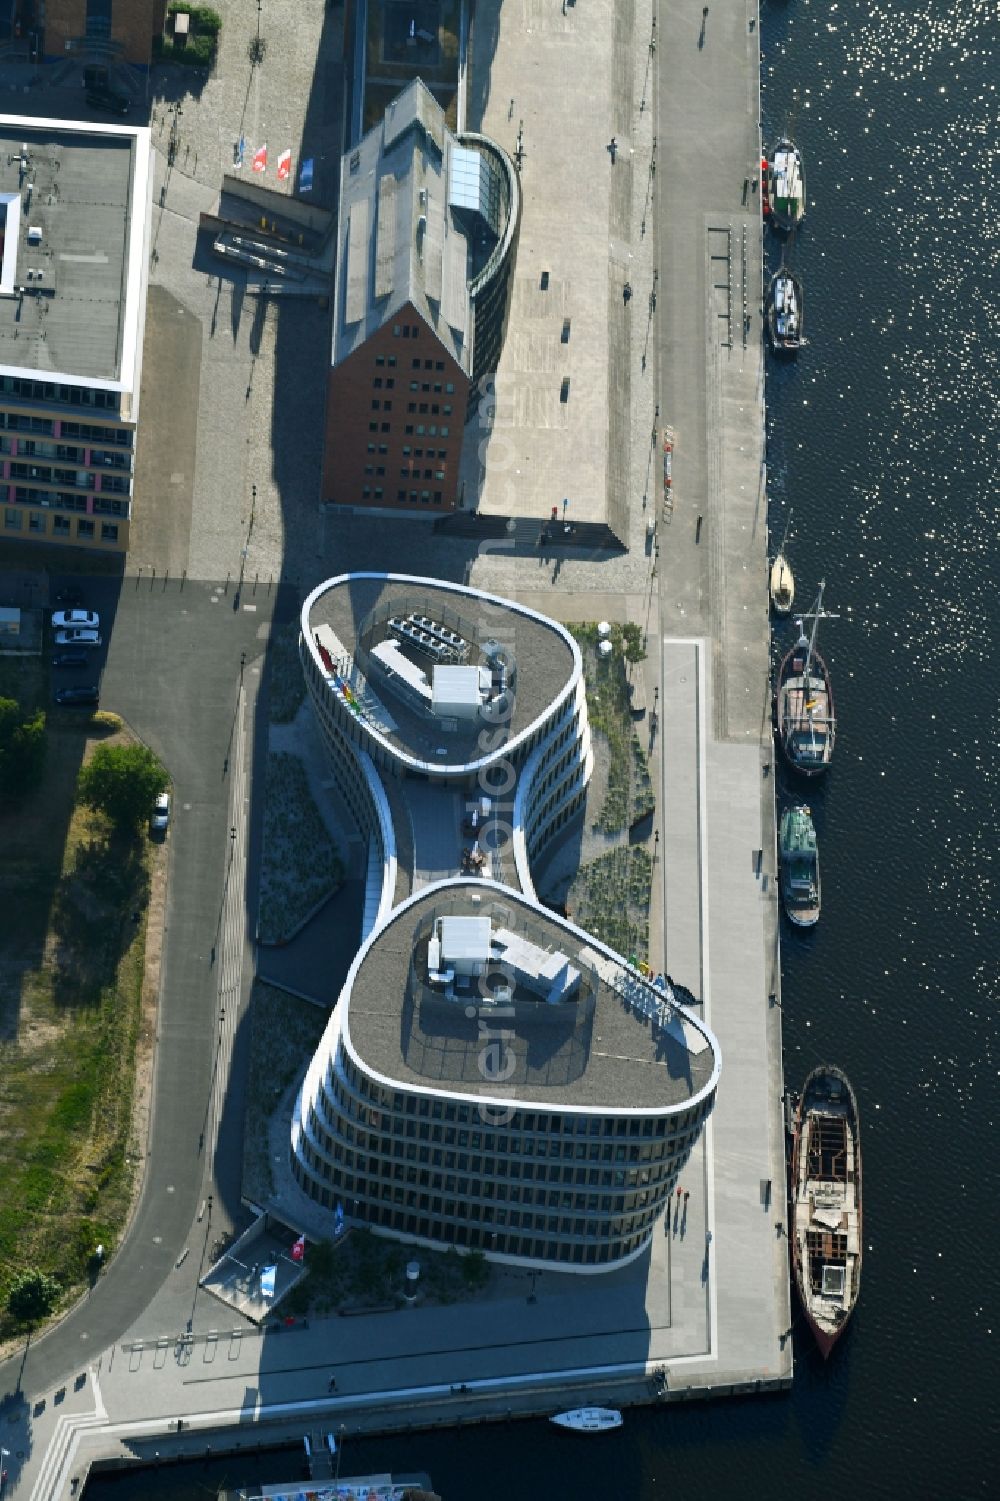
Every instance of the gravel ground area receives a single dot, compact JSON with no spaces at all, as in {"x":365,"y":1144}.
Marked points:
{"x":283,"y":1031}
{"x":300,"y":865}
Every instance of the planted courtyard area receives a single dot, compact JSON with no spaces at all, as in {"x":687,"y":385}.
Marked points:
{"x":604,"y":880}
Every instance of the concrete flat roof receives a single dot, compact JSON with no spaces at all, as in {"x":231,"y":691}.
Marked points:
{"x":543,"y":655}
{"x":73,"y":205}
{"x":606,"y":1050}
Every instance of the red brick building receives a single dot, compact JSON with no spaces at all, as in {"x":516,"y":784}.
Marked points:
{"x":395,"y":415}
{"x":424,"y":228}
{"x":126,"y":27}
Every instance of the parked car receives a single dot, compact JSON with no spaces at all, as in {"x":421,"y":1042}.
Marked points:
{"x":78,"y":636}
{"x":80,"y":694}
{"x":109,"y":100}
{"x":161,"y":814}
{"x":69,"y":596}
{"x":75,"y":658}
{"x":62,"y":619}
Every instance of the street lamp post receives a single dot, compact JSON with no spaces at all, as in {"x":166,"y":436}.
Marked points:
{"x":246,"y":548}
{"x":258,"y":46}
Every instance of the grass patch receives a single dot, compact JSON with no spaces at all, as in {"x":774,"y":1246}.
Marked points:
{"x":286,"y":680}
{"x":300,"y":866}
{"x":72,"y":950}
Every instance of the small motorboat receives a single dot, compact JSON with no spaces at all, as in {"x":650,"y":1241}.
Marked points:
{"x":785,"y":312}
{"x":799,"y":859}
{"x":787,"y":196}
{"x":588,"y":1419}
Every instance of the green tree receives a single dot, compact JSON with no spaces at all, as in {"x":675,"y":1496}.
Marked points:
{"x":32,"y":1297}
{"x":22,"y":747}
{"x":632,"y":638}
{"x":122,"y":781}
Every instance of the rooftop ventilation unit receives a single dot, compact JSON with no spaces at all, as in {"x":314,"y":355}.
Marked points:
{"x":34,"y":234}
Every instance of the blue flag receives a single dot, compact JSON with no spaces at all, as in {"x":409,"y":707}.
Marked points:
{"x":267,"y":1277}
{"x":306,"y":176}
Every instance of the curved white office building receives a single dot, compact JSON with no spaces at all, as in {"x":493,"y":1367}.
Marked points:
{"x":491,"y":1077}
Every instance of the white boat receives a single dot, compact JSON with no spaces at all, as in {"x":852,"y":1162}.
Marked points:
{"x":785,"y":316}
{"x":588,"y":1419}
{"x":782,"y":586}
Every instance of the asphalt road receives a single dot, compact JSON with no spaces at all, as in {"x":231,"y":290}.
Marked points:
{"x":173,"y":671}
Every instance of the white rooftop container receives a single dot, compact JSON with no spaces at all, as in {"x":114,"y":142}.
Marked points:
{"x":465,"y":944}
{"x":456,"y":692}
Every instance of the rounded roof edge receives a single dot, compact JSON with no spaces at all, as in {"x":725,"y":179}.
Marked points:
{"x":341,"y":1016}
{"x":462,"y":768}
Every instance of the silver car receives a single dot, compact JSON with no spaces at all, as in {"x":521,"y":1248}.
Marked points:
{"x":78,"y":636}
{"x":65,"y":619}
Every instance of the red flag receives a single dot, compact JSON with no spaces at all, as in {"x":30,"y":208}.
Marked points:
{"x":284,"y":165}
{"x":260,"y":158}
{"x":299,"y":1249}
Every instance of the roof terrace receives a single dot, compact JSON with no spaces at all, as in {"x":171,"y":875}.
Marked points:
{"x":464,"y":963}
{"x":444,"y":676}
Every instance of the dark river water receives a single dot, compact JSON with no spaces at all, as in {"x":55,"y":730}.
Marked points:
{"x":883,"y":437}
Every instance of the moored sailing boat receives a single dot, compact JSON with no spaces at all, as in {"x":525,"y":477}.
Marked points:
{"x":826,"y":1204}
{"x":782,"y":580}
{"x":803,"y":702}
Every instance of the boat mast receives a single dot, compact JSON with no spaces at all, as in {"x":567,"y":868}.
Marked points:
{"x":784,"y":535}
{"x":817,"y":611}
